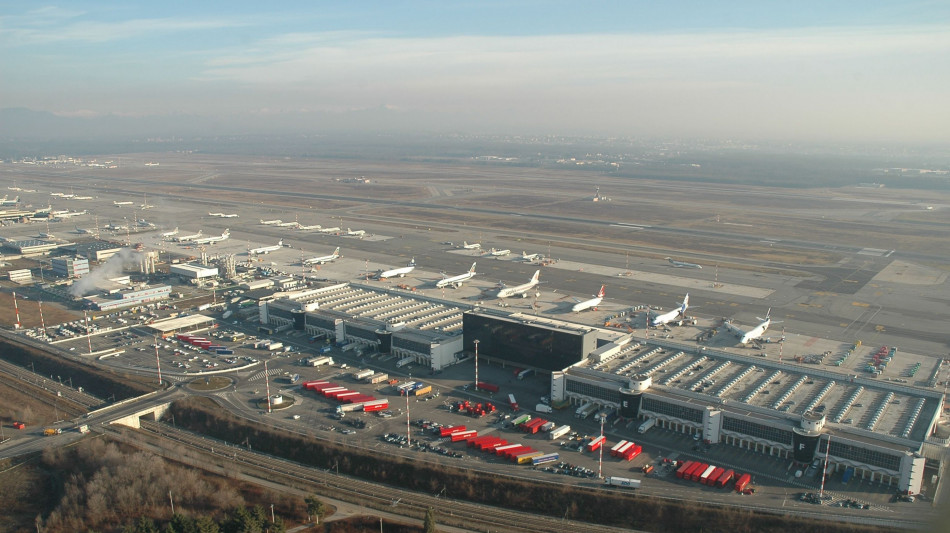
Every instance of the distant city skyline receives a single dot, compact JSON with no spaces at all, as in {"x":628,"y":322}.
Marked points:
{"x":848,"y":71}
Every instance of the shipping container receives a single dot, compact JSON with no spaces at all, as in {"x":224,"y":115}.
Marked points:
{"x":492,"y":444}
{"x":378,"y":378}
{"x":622,"y":482}
{"x":513,"y":402}
{"x":446,"y":431}
{"x":512,"y":455}
{"x":490,"y":387}
{"x":344,"y":395}
{"x":631,"y":452}
{"x":462,"y":435}
{"x":500,"y":450}
{"x":546,"y":458}
{"x":348,"y":407}
{"x":363,"y":374}
{"x":521,"y":420}
{"x":325,"y":349}
{"x":547,"y":426}
{"x":725,"y":478}
{"x":743,"y":482}
{"x":559,"y":432}
{"x":423,"y":391}
{"x":595,"y":444}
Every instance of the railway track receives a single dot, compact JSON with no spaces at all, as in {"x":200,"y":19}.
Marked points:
{"x":394,"y":500}
{"x":18,"y":376}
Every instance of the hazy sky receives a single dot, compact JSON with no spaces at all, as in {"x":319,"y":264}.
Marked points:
{"x":848,"y":70}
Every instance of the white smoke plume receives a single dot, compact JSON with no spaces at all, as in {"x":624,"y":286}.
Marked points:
{"x":98,"y":277}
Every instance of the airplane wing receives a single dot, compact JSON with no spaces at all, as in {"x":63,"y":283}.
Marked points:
{"x":736,"y":330}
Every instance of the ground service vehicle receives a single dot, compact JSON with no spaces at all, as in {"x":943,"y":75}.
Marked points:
{"x":622,"y":482}
{"x":647,"y":469}
{"x":525,"y":373}
{"x":485,"y":386}
{"x":743,"y":482}
{"x":644,"y":427}
{"x":541,"y":408}
{"x":83,"y":428}
{"x":19,"y":425}
{"x":513,"y":402}
{"x":52,"y":431}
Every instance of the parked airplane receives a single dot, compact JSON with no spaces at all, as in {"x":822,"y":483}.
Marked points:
{"x":400,"y":272}
{"x":82,"y":197}
{"x":286,"y":224}
{"x":267,"y":249}
{"x":456,"y":281}
{"x":309,"y":228}
{"x":14,"y":201}
{"x":683,"y":264}
{"x":473,"y":246}
{"x":142,"y":223}
{"x":673,"y":315}
{"x":323,"y":260}
{"x":746,"y":337}
{"x":530,"y":257}
{"x":592,"y":303}
{"x":220,"y":215}
{"x":115,"y":227}
{"x":499,"y":252}
{"x":522,"y":289}
{"x":355,"y":232}
{"x":211,"y":240}
{"x":113,"y":202}
{"x":271,"y":222}
{"x":230,"y":215}
{"x":171,"y":233}
{"x":84,"y":231}
{"x":329,"y":230}
{"x":186,"y":238}
{"x":68,"y":214}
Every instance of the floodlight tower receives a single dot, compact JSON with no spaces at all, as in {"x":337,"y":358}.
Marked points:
{"x":408,"y":431}
{"x":600,"y":461}
{"x":476,"y":341}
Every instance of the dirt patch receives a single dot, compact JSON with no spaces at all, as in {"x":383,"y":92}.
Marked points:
{"x":910,"y":274}
{"x":210,"y":383}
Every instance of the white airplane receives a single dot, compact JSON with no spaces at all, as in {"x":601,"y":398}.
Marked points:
{"x":267,"y":249}
{"x":673,"y":315}
{"x":60,"y":194}
{"x":499,"y":252}
{"x":142,"y":223}
{"x":68,"y":196}
{"x":211,"y":240}
{"x":171,"y":233}
{"x":271,"y":222}
{"x":473,"y":246}
{"x":456,"y":281}
{"x":70,"y":214}
{"x":113,"y":202}
{"x":746,"y":337}
{"x":14,"y":201}
{"x":287,"y":224}
{"x":309,"y":228}
{"x":115,"y":227}
{"x":82,"y":197}
{"x":592,"y":303}
{"x":323,"y":260}
{"x":186,"y":238}
{"x":84,"y":231}
{"x":355,"y":232}
{"x":220,"y":215}
{"x":522,"y":289}
{"x":328,"y":230}
{"x":530,"y":257}
{"x":400,"y":272}
{"x":682,"y":264}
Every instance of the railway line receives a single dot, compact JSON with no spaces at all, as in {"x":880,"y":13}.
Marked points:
{"x":17,"y":376}
{"x":394,"y":500}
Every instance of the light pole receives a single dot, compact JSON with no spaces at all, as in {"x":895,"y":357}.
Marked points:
{"x":476,"y":364}
{"x":408,"y":431}
{"x":600,"y":461}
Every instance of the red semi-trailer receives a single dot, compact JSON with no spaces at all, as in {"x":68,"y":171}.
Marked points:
{"x":500,"y":450}
{"x":698,"y":472}
{"x":743,"y":482}
{"x":513,"y":402}
{"x":632,"y":452}
{"x":615,"y":450}
{"x":376,"y":405}
{"x":714,"y":477}
{"x":491,"y":445}
{"x":725,"y":478}
{"x":595,"y":444}
{"x":683,"y":468}
{"x":462,"y":435}
{"x":490,"y":387}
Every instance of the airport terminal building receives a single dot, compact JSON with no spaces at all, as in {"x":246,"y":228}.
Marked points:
{"x":425,"y":331}
{"x":883,"y":430}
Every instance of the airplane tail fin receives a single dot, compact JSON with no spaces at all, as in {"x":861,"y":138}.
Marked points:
{"x":537,"y":274}
{"x":337,"y":251}
{"x":472,"y":270}
{"x":280,"y":242}
{"x":602,"y":292}
{"x":412,"y":262}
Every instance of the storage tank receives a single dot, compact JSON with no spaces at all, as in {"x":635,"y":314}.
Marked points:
{"x":300,"y":319}
{"x":630,"y":403}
